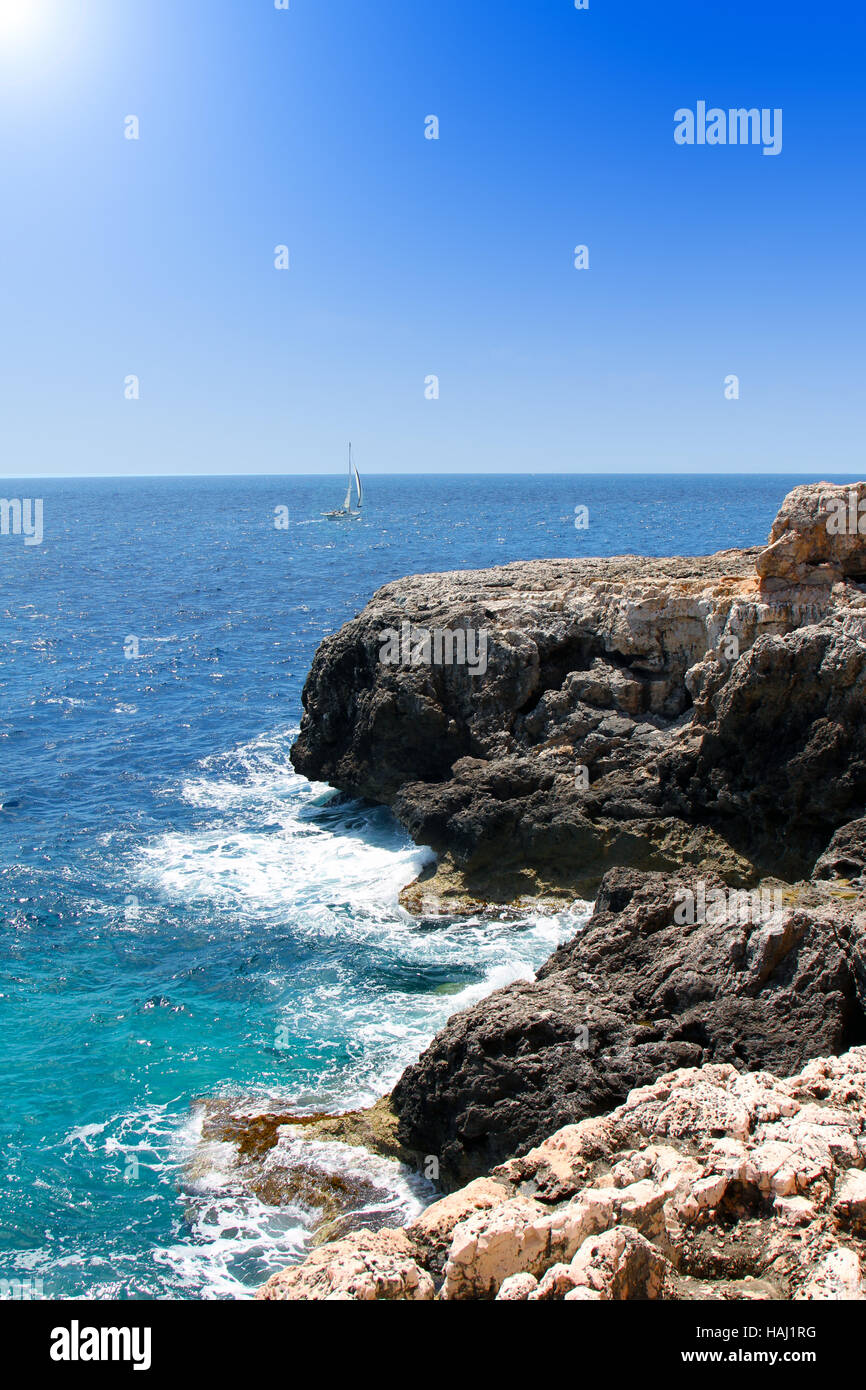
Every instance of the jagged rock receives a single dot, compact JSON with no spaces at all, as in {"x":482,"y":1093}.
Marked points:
{"x":433,"y":1229}
{"x":621,"y":1264}
{"x":555,"y":1284}
{"x":518,"y":1236}
{"x":516,"y":1288}
{"x":708,"y":1184}
{"x":587,"y":665}
{"x":798,"y":1211}
{"x":838,"y":1276}
{"x":636,"y":994}
{"x":367,"y":1266}
{"x":777,"y":756}
{"x":849,"y":1205}
{"x":489,"y":1247}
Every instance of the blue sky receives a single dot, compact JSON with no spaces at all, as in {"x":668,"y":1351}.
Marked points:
{"x":412,"y":257}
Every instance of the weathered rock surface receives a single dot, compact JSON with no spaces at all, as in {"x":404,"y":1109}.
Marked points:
{"x":433,"y":1230}
{"x":714,"y":703}
{"x":638,"y":993}
{"x":817,"y":538}
{"x":707,"y":1184}
{"x":778,"y":752}
{"x":368,"y":1266}
{"x":845,"y":856}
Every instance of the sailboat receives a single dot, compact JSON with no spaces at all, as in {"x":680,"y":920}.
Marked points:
{"x":346,"y":511}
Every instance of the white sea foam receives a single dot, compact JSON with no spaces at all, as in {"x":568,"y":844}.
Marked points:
{"x":235,"y":1241}
{"x":84,"y":1134}
{"x":275,"y":852}
{"x":269,"y":851}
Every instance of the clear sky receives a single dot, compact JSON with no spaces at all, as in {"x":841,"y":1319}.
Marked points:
{"x":412,"y":257}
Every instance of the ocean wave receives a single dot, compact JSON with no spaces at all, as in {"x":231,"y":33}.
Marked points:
{"x":358,"y":985}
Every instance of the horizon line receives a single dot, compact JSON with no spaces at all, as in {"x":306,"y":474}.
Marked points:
{"x":486,"y":473}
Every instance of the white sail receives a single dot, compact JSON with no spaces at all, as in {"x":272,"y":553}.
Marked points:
{"x":348,"y":502}
{"x":346,"y":509}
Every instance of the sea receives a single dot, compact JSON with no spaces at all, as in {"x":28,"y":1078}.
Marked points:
{"x":183,"y":919}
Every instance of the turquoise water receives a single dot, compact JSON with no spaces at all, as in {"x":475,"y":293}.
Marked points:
{"x":181,"y":916}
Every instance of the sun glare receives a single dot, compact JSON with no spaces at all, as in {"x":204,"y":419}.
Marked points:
{"x":19,"y":18}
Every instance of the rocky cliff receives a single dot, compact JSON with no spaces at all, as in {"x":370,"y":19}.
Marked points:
{"x":652,"y":713}
{"x":685,"y":738}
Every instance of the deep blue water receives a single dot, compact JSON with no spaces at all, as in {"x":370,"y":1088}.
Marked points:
{"x":180,"y":915}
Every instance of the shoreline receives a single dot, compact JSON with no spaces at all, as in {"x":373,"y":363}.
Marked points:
{"x":713,"y":703}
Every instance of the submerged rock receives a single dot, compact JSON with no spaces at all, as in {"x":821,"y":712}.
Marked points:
{"x":334,"y":1172}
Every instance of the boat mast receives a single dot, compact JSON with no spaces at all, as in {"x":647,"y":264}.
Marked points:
{"x":347,"y":505}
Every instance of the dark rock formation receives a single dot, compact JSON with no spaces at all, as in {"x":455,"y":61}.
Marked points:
{"x":845,"y":856}
{"x":637,"y":994}
{"x":654,"y":713}
{"x":656,"y":721}
{"x":778,"y":753}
